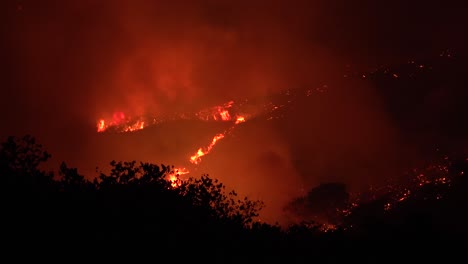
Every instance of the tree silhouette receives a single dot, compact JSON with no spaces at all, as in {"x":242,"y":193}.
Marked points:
{"x":324,"y":204}
{"x":20,"y":159}
{"x":210,"y":193}
{"x":135,"y":203}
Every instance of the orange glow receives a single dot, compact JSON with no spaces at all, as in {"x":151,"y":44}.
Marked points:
{"x":225,"y":116}
{"x":181,"y":171}
{"x":196,"y":158}
{"x":136,"y":126}
{"x":101,"y":126}
{"x":216,"y":113}
{"x":174,"y":177}
{"x":121,"y":123}
{"x":328,"y":227}
{"x":433,"y":174}
{"x":175,"y":182}
{"x":240,"y":119}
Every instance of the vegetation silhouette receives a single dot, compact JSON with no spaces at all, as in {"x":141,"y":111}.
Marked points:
{"x":135,"y":206}
{"x":324,"y":203}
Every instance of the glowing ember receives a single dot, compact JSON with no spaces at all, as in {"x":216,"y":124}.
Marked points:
{"x":225,"y":115}
{"x":240,"y":119}
{"x":136,"y":126}
{"x":175,"y":182}
{"x":181,"y":171}
{"x":101,"y":126}
{"x":328,"y":227}
{"x":433,"y":174}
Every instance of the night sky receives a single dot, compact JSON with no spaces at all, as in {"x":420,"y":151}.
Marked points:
{"x":66,"y":64}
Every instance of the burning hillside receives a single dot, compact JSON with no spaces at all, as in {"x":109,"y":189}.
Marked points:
{"x":230,"y":112}
{"x":271,"y":98}
{"x":292,"y":109}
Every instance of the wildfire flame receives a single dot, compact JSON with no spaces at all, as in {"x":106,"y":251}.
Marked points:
{"x":221,"y":112}
{"x":174,"y":177}
{"x":196,"y":158}
{"x":174,"y":181}
{"x":240,"y":119}
{"x":227,"y":112}
{"x":136,"y":126}
{"x":217,"y":113}
{"x":435,"y":174}
{"x":119,"y":119}
{"x":122,"y":123}
{"x":101,"y":126}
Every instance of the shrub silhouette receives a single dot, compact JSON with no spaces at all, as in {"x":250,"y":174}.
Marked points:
{"x":132,"y":201}
{"x":135,"y":203}
{"x":323,"y":204}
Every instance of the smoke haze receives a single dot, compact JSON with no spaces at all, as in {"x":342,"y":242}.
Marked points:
{"x":67,"y":64}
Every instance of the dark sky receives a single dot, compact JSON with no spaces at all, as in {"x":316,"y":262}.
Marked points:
{"x":65,"y":64}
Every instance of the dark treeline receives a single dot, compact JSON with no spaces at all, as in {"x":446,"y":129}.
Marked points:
{"x":134,"y":209}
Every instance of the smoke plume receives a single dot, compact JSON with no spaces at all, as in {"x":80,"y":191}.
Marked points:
{"x":66,"y":64}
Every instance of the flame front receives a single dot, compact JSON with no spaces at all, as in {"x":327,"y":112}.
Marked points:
{"x":216,"y":113}
{"x":120,"y":121}
{"x":136,"y":126}
{"x":196,"y":158}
